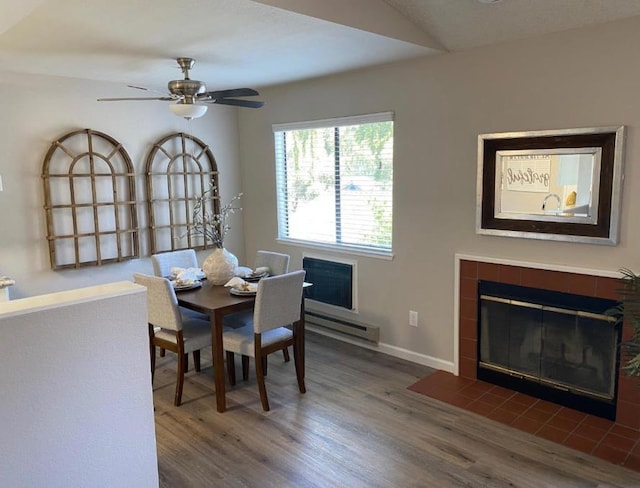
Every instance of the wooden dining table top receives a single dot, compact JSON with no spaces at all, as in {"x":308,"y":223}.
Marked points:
{"x":210,"y":297}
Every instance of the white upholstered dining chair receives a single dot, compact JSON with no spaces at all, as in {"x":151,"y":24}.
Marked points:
{"x":169,"y":330}
{"x":278,"y":305}
{"x":278,"y":264}
{"x":163,"y":262}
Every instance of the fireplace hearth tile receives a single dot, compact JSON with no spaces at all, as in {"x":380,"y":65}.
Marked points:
{"x":618,"y":442}
{"x":527,"y":425}
{"x":626,"y":432}
{"x":502,"y":392}
{"x":524,"y":399}
{"x":570,"y":414}
{"x":492,"y":399}
{"x":539,"y":416}
{"x":580,"y":443}
{"x":547,"y":407}
{"x":632,"y":462}
{"x":598,"y":422}
{"x":480,"y":408}
{"x":611,"y":454}
{"x":552,"y":434}
{"x":514,"y":407}
{"x":563,"y":423}
{"x":503,"y":416}
{"x":590,"y":432}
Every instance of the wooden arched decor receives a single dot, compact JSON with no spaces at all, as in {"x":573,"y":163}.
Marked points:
{"x":180,"y":168}
{"x":90,"y":202}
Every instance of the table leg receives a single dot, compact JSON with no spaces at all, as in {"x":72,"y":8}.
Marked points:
{"x":299,"y":358}
{"x":218,"y":360}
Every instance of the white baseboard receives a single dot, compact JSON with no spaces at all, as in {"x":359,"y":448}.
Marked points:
{"x":394,"y":351}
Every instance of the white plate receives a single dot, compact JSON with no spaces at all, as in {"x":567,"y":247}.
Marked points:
{"x":242,"y":293}
{"x":191,"y":286}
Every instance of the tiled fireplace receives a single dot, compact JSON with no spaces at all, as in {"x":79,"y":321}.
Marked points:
{"x":615,"y":441}
{"x":471,"y":272}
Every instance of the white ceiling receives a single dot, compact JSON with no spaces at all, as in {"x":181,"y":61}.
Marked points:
{"x":259,"y":43}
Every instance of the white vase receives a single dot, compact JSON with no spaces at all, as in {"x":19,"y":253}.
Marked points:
{"x":220,"y":266}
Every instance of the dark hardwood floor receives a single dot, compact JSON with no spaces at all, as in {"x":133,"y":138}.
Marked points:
{"x":357,"y":426}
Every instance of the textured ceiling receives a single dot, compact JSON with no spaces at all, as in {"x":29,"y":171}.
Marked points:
{"x":264,"y":42}
{"x":464,"y":24}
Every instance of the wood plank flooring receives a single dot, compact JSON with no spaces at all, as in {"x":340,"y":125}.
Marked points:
{"x":357,"y":426}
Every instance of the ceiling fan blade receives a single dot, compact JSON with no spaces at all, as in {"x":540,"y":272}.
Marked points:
{"x":168,"y":99}
{"x":237,"y":103}
{"x":235,"y":92}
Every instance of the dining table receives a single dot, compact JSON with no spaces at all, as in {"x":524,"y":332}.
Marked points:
{"x":217,"y":301}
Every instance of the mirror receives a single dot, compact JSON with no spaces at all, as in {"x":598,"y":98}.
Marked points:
{"x":558,"y":185}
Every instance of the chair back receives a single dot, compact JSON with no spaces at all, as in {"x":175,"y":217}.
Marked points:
{"x":276,"y":262}
{"x":162,"y":304}
{"x":163,"y":262}
{"x":278,"y":301}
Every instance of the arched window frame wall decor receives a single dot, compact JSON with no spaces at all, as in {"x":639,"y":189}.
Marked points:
{"x":179,"y":169}
{"x":101,"y":223}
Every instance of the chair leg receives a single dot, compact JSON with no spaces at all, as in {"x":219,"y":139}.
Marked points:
{"x":185,"y":358}
{"x":162,"y":352}
{"x":179,"y":380}
{"x":196,"y":360}
{"x":261,"y":386}
{"x":231,"y":368}
{"x":297,"y":361}
{"x":285,"y":354}
{"x":245,"y":368}
{"x":153,"y":362}
{"x":264,"y":365}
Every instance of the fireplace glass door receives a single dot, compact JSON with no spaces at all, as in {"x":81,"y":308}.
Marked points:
{"x":562,"y":348}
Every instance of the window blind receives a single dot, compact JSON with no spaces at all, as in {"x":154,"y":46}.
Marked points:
{"x":334,"y":181}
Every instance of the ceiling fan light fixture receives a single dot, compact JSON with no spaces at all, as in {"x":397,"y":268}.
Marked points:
{"x":188,"y":110}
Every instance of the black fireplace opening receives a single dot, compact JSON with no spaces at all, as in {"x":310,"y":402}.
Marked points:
{"x":556,"y":346}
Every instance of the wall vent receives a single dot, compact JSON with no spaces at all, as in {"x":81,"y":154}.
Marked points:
{"x":332,"y":282}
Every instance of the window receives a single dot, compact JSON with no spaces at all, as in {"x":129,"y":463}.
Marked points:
{"x":334,"y":182}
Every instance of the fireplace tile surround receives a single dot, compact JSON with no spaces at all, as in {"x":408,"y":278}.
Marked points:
{"x":471,"y":271}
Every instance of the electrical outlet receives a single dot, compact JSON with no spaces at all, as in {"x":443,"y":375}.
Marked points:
{"x":413,"y":318}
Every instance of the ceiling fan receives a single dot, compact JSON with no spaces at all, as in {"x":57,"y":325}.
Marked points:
{"x":192,"y":95}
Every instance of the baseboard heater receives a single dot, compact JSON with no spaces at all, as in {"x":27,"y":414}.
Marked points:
{"x":349,"y":327}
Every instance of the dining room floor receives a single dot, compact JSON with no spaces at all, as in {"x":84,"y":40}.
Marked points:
{"x":358,"y":425}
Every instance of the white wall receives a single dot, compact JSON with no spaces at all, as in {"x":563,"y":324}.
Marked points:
{"x":76,"y":403}
{"x":37,"y":110}
{"x":583,"y":78}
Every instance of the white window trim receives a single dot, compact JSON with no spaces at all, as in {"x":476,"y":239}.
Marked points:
{"x":336,"y":122}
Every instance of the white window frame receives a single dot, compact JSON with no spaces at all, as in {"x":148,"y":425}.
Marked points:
{"x":282,"y":212}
